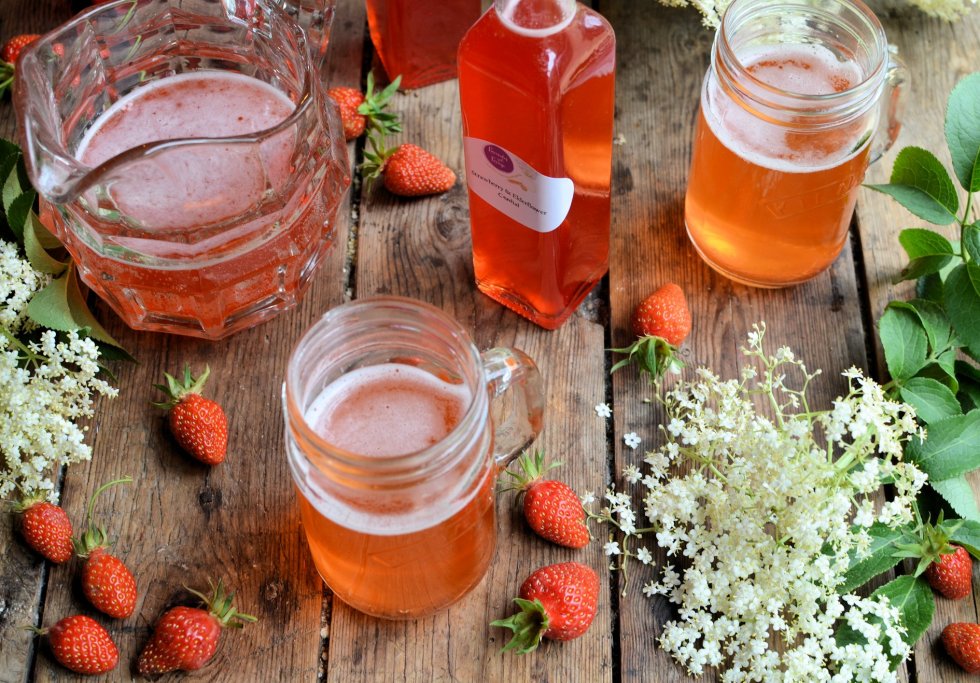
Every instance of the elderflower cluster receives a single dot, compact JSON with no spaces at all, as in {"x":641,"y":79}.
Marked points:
{"x":47,"y":383}
{"x":759,"y":527}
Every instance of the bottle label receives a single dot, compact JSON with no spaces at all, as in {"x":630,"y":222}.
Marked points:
{"x":513,"y":187}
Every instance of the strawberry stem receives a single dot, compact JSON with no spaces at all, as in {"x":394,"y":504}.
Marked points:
{"x":176,"y":389}
{"x":219,"y":603}
{"x":532,"y":468}
{"x":528,"y":625}
{"x":96,"y":537}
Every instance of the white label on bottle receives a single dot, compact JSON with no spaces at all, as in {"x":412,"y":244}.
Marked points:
{"x":513,"y":187}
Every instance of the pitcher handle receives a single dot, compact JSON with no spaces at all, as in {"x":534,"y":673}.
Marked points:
{"x":315,"y":18}
{"x":892,"y":104}
{"x":516,"y":401}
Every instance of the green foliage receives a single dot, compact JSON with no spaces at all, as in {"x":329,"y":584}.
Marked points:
{"x":61,"y":305}
{"x":880,"y":558}
{"x":921,"y":184}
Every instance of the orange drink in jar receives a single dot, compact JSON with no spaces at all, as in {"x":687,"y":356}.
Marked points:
{"x":784,"y":134}
{"x":393,"y":452}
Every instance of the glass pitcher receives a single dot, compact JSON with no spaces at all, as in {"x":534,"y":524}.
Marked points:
{"x":396,"y":429}
{"x":186,"y":156}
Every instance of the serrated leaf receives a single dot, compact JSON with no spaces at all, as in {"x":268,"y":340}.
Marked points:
{"x":904,"y":341}
{"x":49,"y":307}
{"x":930,"y":288}
{"x":969,"y":385}
{"x":12,"y":185}
{"x":40,"y":259}
{"x":8,"y":148}
{"x":963,"y":131}
{"x":939,"y":331}
{"x":958,"y":493}
{"x":964,"y":532}
{"x":920,"y":183}
{"x":919,"y":242}
{"x":932,"y":400}
{"x":880,"y":557}
{"x":952,"y":447}
{"x":961,"y":295}
{"x":20,"y":209}
{"x":47,"y":238}
{"x":971,"y":242}
{"x":913,"y":599}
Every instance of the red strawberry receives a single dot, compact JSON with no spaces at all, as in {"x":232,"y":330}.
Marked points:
{"x":551,"y":508}
{"x":12,"y":48}
{"x":952,"y":574}
{"x":349,"y":99}
{"x":962,"y":642}
{"x":557,"y":602}
{"x":106,"y":581}
{"x":186,"y":638}
{"x":198,"y":424}
{"x":663,"y":314}
{"x":47,"y":529}
{"x":80,"y":644}
{"x":408,"y":170}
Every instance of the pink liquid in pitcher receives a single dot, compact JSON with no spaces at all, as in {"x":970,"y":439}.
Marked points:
{"x":408,"y":555}
{"x":199,"y":236}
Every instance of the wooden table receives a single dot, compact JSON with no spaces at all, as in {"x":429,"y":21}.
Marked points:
{"x":181,"y":523}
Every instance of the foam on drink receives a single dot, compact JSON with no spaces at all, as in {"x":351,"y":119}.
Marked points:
{"x":799,"y":69}
{"x":387,"y":410}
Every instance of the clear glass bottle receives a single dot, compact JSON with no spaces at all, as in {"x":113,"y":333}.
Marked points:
{"x":536,"y":81}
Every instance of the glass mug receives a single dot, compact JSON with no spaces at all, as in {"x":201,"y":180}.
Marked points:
{"x":186,"y":216}
{"x":396,"y":429}
{"x":789,"y":109}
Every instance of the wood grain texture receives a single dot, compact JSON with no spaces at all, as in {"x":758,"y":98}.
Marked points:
{"x":658,"y":84}
{"x":938,"y":55}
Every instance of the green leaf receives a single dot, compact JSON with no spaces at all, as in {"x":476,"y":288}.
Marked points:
{"x":930,"y":287}
{"x":14,"y":184}
{"x":932,"y":400}
{"x":958,"y":493}
{"x":921,"y":184}
{"x":915,"y":602}
{"x":938,"y":329}
{"x":40,"y":259}
{"x":963,"y":131}
{"x":19,"y":210}
{"x":904,"y":341}
{"x":961,"y":294}
{"x":928,"y":252}
{"x":8,"y":149}
{"x":951,"y":448}
{"x":49,"y":307}
{"x":964,"y":532}
{"x":969,"y":385}
{"x":880,"y":557}
{"x":83,"y":316}
{"x":971,"y":241}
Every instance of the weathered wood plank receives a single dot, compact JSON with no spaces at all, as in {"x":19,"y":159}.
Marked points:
{"x":663,"y":54}
{"x":21,"y":571}
{"x":182,"y":523}
{"x":938,"y":54}
{"x":421,"y":249}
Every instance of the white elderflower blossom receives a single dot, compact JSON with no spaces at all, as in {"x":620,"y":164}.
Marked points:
{"x":47,"y":382}
{"x":603,"y":410}
{"x":765,"y":518}
{"x":632,"y":439}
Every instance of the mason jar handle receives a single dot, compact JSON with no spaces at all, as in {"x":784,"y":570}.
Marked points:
{"x":516,"y":401}
{"x":892,"y":104}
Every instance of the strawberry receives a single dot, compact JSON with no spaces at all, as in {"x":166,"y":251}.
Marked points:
{"x":557,"y":602}
{"x":408,"y":170}
{"x":47,"y":529}
{"x":962,"y":643}
{"x":360,"y":111}
{"x":106,"y":581}
{"x":12,"y":48}
{"x":947,"y":567}
{"x":349,"y":99}
{"x":198,"y":424}
{"x":662,"y":322}
{"x":80,"y":644}
{"x":663,"y":314}
{"x":952,"y":574}
{"x":551,"y":508}
{"x":185,"y":638}
{"x":8,"y":57}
